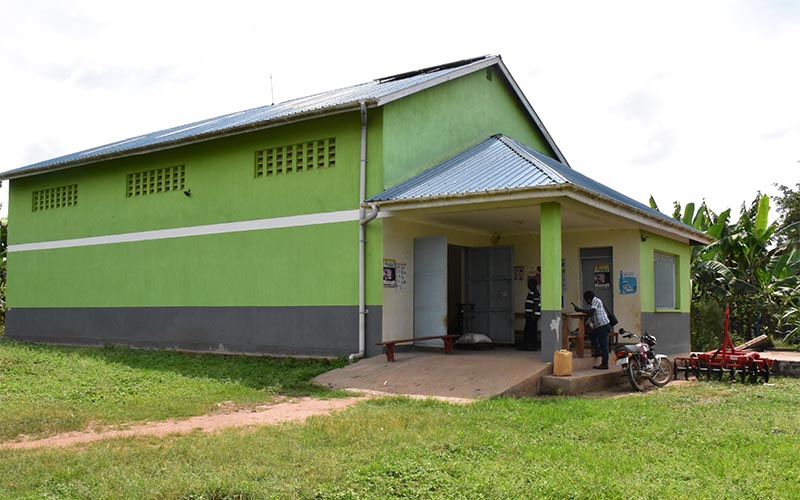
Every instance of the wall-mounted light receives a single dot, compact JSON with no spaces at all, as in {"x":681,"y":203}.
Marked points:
{"x":643,"y":237}
{"x":188,"y":193}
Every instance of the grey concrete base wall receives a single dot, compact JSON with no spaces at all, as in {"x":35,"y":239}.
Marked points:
{"x":550,"y":326}
{"x":671,"y":329}
{"x":786,"y":368}
{"x":298,"y":331}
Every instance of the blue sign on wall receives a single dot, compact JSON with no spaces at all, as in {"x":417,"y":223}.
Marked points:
{"x":627,"y":283}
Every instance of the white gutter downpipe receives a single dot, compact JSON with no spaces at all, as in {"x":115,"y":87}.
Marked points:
{"x":363,"y":219}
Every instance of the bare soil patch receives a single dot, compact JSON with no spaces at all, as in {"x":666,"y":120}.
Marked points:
{"x":286,"y":410}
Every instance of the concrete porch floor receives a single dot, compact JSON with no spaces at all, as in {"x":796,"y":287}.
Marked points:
{"x":469,"y":374}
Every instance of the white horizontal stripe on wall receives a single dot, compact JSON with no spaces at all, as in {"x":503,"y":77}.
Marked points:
{"x":181,"y":232}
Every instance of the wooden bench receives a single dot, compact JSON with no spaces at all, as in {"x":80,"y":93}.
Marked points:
{"x":449,"y":340}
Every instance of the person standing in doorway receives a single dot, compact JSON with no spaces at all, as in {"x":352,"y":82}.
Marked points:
{"x":533,"y":311}
{"x":600,"y":325}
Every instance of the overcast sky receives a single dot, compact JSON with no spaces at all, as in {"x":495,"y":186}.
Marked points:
{"x":679,"y":100}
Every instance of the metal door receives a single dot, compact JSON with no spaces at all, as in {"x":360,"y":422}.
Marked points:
{"x":489,"y":271}
{"x":597,"y":273}
{"x":430,"y":289}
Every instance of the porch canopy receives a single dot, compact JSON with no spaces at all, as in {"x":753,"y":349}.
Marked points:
{"x":493,"y":186}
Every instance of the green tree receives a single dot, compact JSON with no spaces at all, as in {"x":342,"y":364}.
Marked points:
{"x":788,"y":205}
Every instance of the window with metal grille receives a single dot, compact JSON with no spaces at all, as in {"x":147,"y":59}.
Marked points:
{"x":160,"y":180}
{"x":312,"y":155}
{"x":57,"y":197}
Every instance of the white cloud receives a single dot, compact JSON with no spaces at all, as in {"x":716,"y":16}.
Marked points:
{"x":682,"y":100}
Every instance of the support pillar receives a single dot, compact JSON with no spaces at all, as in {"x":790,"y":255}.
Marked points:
{"x":550,"y":251}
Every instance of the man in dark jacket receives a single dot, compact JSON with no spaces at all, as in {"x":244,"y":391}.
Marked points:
{"x":533,"y":311}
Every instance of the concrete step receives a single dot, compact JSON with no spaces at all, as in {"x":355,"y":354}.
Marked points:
{"x":583,"y":379}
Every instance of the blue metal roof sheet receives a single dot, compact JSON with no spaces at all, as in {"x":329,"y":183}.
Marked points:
{"x":501,"y":164}
{"x":375,"y":92}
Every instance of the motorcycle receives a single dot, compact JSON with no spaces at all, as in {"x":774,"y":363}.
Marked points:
{"x":640,"y":363}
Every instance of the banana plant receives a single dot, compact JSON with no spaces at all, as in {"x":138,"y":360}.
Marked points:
{"x":761,"y":273}
{"x":749,"y":265}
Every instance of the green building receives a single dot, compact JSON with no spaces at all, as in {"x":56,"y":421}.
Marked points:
{"x":410,"y":205}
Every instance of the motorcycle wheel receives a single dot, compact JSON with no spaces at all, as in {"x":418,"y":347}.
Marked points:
{"x":664,"y":374}
{"x":634,"y":375}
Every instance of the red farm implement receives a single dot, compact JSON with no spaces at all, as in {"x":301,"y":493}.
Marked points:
{"x":727,"y":360}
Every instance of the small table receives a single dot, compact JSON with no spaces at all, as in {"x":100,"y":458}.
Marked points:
{"x":565,"y":335}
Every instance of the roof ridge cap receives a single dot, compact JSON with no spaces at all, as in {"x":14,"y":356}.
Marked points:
{"x":515,"y":146}
{"x":433,"y":69}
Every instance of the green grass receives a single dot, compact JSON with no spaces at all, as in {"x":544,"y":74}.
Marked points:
{"x":49,"y":389}
{"x":704,"y":440}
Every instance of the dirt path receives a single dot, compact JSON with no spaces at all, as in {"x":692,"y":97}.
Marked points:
{"x":294,"y":410}
{"x":286,"y":410}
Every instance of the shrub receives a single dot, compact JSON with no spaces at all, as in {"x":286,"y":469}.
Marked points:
{"x":707,"y":323}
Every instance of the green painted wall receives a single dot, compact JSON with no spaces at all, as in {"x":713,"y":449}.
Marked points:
{"x":220,"y":174}
{"x":683,"y":287}
{"x":375,"y":152}
{"x":429,"y":127}
{"x":311,"y":265}
{"x":279,"y":267}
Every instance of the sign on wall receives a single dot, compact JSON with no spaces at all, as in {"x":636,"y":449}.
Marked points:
{"x":602,"y":276}
{"x":627,"y":282}
{"x":401,"y":275}
{"x":389,"y":273}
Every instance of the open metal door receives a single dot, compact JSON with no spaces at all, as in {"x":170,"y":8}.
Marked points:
{"x":430,"y":289}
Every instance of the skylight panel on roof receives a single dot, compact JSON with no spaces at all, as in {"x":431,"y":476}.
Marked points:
{"x":112,"y":145}
{"x":184,"y":129}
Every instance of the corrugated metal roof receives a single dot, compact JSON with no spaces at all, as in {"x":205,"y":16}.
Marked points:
{"x":497,"y":165}
{"x":375,"y":93}
{"x":490,"y":166}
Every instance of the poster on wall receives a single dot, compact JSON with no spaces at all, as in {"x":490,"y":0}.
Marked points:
{"x":602,"y":276}
{"x":627,"y":282}
{"x":389,"y":273}
{"x":401,"y":275}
